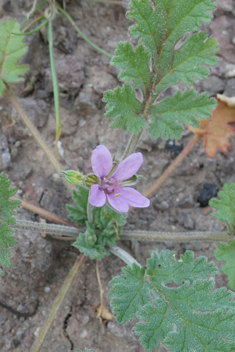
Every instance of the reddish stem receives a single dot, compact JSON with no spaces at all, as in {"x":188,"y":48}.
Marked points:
{"x":168,"y":172}
{"x":44,"y":213}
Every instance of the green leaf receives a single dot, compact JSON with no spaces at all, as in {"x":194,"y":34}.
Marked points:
{"x":129,"y":293}
{"x":187,"y":317}
{"x":161,"y":26}
{"x":12,"y":49}
{"x":185,"y":269}
{"x":78,"y":213}
{"x":163,"y":57}
{"x":87,"y":244}
{"x":225,"y":206}
{"x":187,"y":64}
{"x":6,"y":220}
{"x":123,"y":106}
{"x":135,"y":64}
{"x":227,"y":252}
{"x":181,"y":107}
{"x":110,"y":224}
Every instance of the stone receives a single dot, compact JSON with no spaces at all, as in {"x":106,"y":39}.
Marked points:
{"x":81,"y":316}
{"x":186,"y":202}
{"x":189,"y":223}
{"x":222,"y":28}
{"x":5,"y":156}
{"x":85,"y":104}
{"x":70,"y":75}
{"x":230,"y":87}
{"x":101,"y":80}
{"x":19,"y":172}
{"x":123,"y":331}
{"x":161,"y":206}
{"x":213,"y":85}
{"x":223,"y":6}
{"x":185,"y":220}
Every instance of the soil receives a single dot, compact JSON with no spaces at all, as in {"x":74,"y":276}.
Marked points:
{"x":40,"y":264}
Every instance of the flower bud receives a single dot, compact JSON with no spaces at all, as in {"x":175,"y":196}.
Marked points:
{"x":90,"y":180}
{"x":131,"y":181}
{"x":73,"y":177}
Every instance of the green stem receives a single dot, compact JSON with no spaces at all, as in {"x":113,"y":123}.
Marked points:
{"x":36,"y":8}
{"x":156,"y":236}
{"x":131,"y":145}
{"x":55,"y":82}
{"x":36,"y":134}
{"x":49,"y":229}
{"x":201,"y":236}
{"x":89,"y":212}
{"x":82,"y":34}
{"x":34,"y":30}
{"x":123,"y":255}
{"x":58,"y":302}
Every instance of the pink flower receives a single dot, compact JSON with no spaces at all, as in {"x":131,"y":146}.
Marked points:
{"x":110,"y":187}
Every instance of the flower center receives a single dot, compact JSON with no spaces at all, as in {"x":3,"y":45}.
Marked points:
{"x":110,"y":185}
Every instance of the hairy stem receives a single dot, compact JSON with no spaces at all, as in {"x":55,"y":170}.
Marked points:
{"x":168,"y":172}
{"x":131,"y":145}
{"x":50,"y":229}
{"x":206,"y":236}
{"x":123,"y":255}
{"x":82,"y":34}
{"x":58,"y":302}
{"x":157,"y":236}
{"x":36,"y":135}
{"x":89,"y":212}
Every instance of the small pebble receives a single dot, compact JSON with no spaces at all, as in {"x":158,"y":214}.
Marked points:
{"x":47,"y":289}
{"x":84,"y":334}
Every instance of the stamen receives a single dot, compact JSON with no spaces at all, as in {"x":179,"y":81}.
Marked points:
{"x":117,"y":195}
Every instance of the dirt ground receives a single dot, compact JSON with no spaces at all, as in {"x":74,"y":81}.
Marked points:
{"x":40,"y":265}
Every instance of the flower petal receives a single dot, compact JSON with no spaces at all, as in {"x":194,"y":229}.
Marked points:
{"x":101,"y":161}
{"x":128,"y":167}
{"x":134,"y":198}
{"x":97,"y":196}
{"x":118,"y":203}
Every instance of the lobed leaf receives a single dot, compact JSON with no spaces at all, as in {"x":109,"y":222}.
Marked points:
{"x":129,"y":293}
{"x":78,"y":213}
{"x":12,"y":49}
{"x":135,"y":64}
{"x":166,"y":267}
{"x":187,"y":317}
{"x":87,"y":243}
{"x":225,"y":206}
{"x":160,"y":26}
{"x":197,"y":50}
{"x":6,"y":220}
{"x":164,"y":56}
{"x":180,"y":107}
{"x":227,"y":252}
{"x":124,"y":108}
{"x":109,"y":223}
